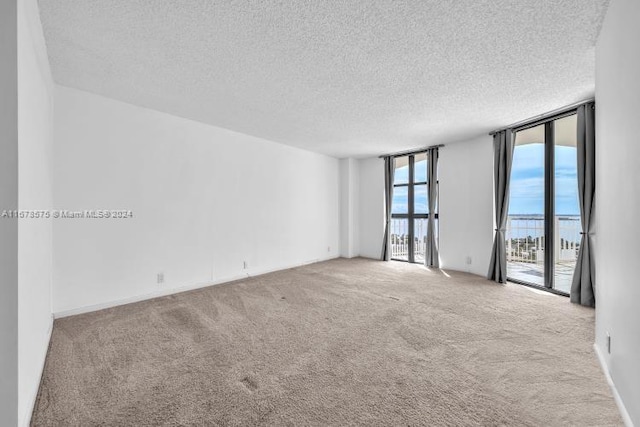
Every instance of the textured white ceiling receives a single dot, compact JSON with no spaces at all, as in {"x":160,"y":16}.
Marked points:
{"x":340,"y":77}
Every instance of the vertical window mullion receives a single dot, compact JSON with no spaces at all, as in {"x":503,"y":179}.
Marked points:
{"x":411,"y":209}
{"x":549,"y":204}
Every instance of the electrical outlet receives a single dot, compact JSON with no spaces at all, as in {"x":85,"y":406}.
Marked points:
{"x":608,"y":343}
{"x":160,"y":278}
{"x":468,"y":260}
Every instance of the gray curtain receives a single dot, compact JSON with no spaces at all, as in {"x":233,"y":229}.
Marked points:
{"x":503,"y":157}
{"x":388,"y":192}
{"x":431,"y":258}
{"x":583,"y":285}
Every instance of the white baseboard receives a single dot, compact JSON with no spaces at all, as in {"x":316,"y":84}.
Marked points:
{"x":26,"y":418}
{"x":623,"y":411}
{"x":177,"y":290}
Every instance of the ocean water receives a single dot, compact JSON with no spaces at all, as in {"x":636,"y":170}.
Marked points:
{"x":521,"y":226}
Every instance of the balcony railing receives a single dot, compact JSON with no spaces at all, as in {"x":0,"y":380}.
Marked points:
{"x":525,"y":238}
{"x":400,"y":240}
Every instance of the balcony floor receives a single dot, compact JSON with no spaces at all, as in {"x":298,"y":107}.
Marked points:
{"x":534,"y":273}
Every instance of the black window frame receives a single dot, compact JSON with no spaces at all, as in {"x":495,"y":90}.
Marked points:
{"x":549,"y":199}
{"x":411,"y":216}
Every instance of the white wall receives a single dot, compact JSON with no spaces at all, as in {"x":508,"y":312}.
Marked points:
{"x":35,"y":130}
{"x":371,"y":207}
{"x":8,"y":227}
{"x":349,"y":207}
{"x":204,"y":201}
{"x":466,"y":205}
{"x":618,"y":199}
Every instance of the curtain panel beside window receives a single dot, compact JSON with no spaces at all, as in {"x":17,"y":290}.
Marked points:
{"x":583,"y":285}
{"x":389,"y":165}
{"x":503,"y":158}
{"x":431,"y":258}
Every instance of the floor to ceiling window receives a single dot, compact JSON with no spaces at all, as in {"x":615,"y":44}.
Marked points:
{"x":410,"y":208}
{"x":543,"y":225}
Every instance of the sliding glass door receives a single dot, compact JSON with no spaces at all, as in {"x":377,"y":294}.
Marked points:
{"x":566,"y":226}
{"x":526,"y":220}
{"x":410,"y":208}
{"x":543,"y":226}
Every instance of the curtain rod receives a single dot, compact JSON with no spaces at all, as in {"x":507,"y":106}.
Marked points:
{"x":543,"y":117}
{"x":407,"y":153}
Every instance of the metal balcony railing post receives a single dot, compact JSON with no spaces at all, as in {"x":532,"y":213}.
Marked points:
{"x":556,"y":240}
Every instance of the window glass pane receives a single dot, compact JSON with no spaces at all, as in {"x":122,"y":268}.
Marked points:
{"x":420,"y":168}
{"x":567,"y":210}
{"x":400,"y":238}
{"x":401,"y":174}
{"x":420,"y":205}
{"x":400,"y":201}
{"x":525,"y":223}
{"x":526,"y":189}
{"x":420,"y":238}
{"x":406,"y":244}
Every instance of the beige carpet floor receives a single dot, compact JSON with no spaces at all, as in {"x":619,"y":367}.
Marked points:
{"x":343,"y":342}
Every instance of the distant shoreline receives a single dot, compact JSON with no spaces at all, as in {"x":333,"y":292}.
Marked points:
{"x":542,"y":215}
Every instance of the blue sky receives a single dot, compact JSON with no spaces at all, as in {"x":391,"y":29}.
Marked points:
{"x":400,"y":193}
{"x":527,"y":182}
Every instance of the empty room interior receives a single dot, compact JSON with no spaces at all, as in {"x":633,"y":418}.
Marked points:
{"x":321,"y":213}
